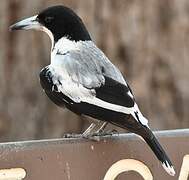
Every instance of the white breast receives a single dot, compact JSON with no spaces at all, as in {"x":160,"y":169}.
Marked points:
{"x":63,"y":46}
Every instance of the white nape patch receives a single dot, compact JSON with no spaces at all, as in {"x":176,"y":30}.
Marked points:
{"x":49,"y":33}
{"x":169,"y":169}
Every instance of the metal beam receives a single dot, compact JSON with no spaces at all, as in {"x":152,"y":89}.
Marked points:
{"x":81,"y":159}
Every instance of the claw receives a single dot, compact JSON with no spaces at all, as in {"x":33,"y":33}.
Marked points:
{"x":92,"y":137}
{"x":71,"y":135}
{"x":99,"y":135}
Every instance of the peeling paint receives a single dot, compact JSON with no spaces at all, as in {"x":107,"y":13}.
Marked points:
{"x":12,"y":174}
{"x":92,"y":147}
{"x":68,"y":171}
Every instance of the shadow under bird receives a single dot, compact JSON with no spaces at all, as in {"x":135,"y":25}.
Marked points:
{"x":81,"y":77}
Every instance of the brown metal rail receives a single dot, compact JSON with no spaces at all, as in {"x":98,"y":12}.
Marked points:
{"x":81,"y":159}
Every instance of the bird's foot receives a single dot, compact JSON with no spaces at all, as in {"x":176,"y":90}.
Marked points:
{"x":107,"y":133}
{"x":97,"y":136}
{"x":71,"y":135}
{"x":92,"y":137}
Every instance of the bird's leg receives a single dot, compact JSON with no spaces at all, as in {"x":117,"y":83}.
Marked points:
{"x":93,"y":134}
{"x":89,"y":133}
{"x":101,"y":132}
{"x":85,"y":134}
{"x":98,"y":133}
{"x":89,"y":129}
{"x":101,"y":129}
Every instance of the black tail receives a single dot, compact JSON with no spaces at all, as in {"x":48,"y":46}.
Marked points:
{"x":159,"y":151}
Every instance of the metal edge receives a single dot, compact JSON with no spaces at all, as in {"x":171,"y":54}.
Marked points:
{"x":79,"y":139}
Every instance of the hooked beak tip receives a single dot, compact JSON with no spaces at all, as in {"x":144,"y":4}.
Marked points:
{"x":15,"y":27}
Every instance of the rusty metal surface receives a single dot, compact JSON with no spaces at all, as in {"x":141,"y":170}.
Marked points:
{"x":80,"y":159}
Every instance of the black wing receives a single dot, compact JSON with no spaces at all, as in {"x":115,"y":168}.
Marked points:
{"x":116,"y":93}
{"x":111,"y":91}
{"x":51,"y":89}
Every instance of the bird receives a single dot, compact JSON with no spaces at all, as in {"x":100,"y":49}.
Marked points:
{"x":81,"y":78}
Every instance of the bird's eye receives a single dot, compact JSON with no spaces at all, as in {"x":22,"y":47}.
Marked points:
{"x":48,"y":19}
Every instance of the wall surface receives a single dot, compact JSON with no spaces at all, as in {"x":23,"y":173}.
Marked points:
{"x":148,"y":40}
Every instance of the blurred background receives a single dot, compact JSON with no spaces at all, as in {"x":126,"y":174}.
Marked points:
{"x":148,"y":40}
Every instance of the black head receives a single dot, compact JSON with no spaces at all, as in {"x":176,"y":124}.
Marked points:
{"x":61,"y":21}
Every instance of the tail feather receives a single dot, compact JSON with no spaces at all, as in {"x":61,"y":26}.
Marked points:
{"x":159,"y":152}
{"x":151,"y":140}
{"x":137,"y":123}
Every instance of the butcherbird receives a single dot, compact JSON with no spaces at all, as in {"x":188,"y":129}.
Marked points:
{"x":81,"y":77}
